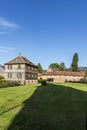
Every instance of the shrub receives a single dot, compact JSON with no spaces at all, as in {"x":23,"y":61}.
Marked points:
{"x":40,"y":80}
{"x":1,"y":77}
{"x":44,"y":82}
{"x":13,"y":83}
{"x":4,"y":83}
{"x":50,"y":79}
{"x":85,"y":79}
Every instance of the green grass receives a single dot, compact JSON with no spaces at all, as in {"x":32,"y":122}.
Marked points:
{"x":61,"y":106}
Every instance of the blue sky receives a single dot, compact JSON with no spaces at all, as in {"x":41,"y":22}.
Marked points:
{"x":44,"y":31}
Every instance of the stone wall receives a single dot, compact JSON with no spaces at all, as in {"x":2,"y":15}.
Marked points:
{"x":63,"y":76}
{"x":31,"y":82}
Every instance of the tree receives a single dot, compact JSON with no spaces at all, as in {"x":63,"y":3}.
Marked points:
{"x":85,"y":77}
{"x":40,"y":69}
{"x":74,"y":65}
{"x":85,"y":73}
{"x":62,"y":66}
{"x":54,"y":66}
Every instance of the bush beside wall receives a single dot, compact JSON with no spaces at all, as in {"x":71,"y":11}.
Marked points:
{"x":42,"y":81}
{"x":4,"y":83}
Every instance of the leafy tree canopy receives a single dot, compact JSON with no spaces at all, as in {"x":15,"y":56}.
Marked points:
{"x":74,"y":65}
{"x":40,"y":69}
{"x":56,"y":66}
{"x":62,"y":66}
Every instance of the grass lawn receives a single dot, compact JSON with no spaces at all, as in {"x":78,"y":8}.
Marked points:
{"x":61,"y":106}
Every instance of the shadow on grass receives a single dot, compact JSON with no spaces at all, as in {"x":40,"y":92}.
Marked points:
{"x":10,"y":109}
{"x":53,"y":107}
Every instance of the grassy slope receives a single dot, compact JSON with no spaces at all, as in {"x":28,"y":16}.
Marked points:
{"x":51,"y":107}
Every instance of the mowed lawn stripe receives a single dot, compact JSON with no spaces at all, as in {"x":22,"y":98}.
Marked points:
{"x":36,"y":107}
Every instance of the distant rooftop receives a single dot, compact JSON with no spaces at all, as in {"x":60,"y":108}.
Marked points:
{"x":1,"y":68}
{"x":66,"y":73}
{"x":82,"y":68}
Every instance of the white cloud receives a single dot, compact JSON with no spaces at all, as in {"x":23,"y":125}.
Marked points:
{"x":6,"y":49}
{"x":3,"y":50}
{"x":3,"y":33}
{"x":6,"y":23}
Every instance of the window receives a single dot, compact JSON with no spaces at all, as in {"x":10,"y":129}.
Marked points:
{"x":19,"y":66}
{"x":35,"y":69}
{"x":35,"y":75}
{"x":32,"y":75}
{"x":19,"y":75}
{"x":29,"y":75}
{"x":9,"y":75}
{"x":9,"y":66}
{"x":28,"y":67}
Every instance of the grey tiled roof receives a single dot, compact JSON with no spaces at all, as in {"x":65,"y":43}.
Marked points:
{"x":20,"y":60}
{"x":1,"y":71}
